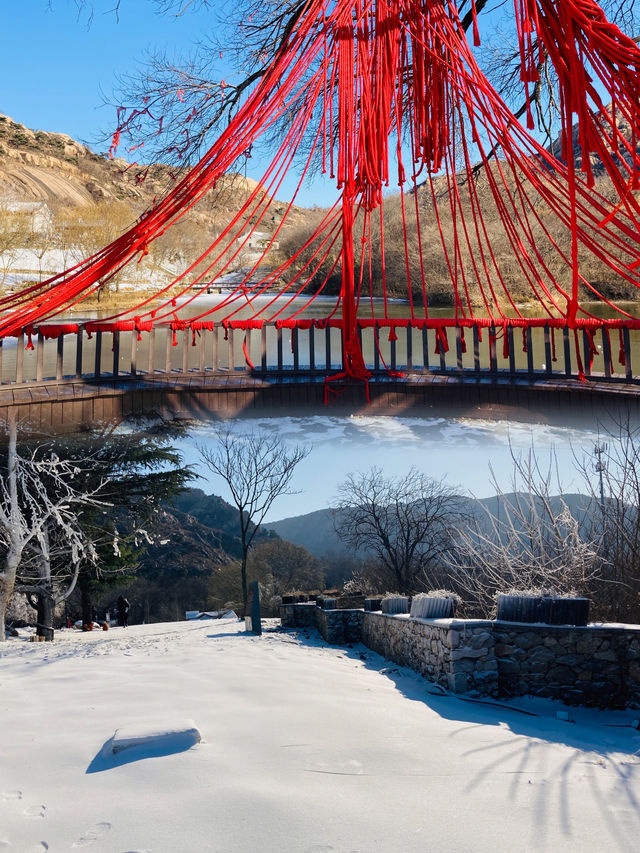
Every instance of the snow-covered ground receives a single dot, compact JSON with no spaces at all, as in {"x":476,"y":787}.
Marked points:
{"x":305,"y":747}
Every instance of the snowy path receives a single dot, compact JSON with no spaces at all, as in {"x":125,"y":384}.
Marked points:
{"x":305,"y":748}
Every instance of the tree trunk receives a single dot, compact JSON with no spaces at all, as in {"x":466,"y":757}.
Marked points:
{"x":87,"y":614}
{"x":45,"y":609}
{"x":245,"y":592}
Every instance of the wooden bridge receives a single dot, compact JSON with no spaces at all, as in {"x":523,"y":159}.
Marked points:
{"x":98,"y":373}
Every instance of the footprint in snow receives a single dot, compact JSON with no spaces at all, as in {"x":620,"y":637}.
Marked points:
{"x":94,"y":833}
{"x":11,"y":795}
{"x":35,"y":811}
{"x":38,"y":848}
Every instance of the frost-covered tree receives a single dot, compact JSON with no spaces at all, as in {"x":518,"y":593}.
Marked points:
{"x":41,"y":498}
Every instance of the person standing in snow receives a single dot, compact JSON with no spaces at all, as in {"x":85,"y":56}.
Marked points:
{"x":123,"y":611}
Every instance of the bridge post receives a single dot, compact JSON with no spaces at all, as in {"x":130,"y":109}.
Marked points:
{"x":459,"y":348}
{"x":263,"y":348}
{"x":529,"y":338}
{"x":312,"y":348}
{"x":586,"y":353}
{"x":167,"y":355}
{"x":294,"y":346}
{"x":60,"y":356}
{"x":279,"y":345}
{"x":476,"y":349}
{"x":202,"y":345}
{"x":409,"y":347}
{"x":232,"y":365}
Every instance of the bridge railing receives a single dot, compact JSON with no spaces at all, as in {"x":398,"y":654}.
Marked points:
{"x":57,"y":354}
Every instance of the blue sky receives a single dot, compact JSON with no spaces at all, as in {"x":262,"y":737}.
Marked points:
{"x":54,"y":64}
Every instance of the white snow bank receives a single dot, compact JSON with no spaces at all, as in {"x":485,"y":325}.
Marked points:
{"x":313,"y":748}
{"x":141,"y":734}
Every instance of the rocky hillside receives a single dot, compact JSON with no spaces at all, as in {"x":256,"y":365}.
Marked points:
{"x":37,"y":166}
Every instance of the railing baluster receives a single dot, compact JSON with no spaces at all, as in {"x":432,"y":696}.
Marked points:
{"x":79,"y":352}
{"x":459,"y":348}
{"x":294,"y":344}
{"x":97,"y":367}
{"x":201,"y":344}
{"x":529,"y":339}
{"x":1,"y":348}
{"x":247,"y":341}
{"x":312,"y":348}
{"x":168,"y":347}
{"x":20,"y":359}
{"x":185,"y":350}
{"x":443,"y":358}
{"x":376,"y":348}
{"x":152,"y":351}
{"x":425,"y":349}
{"x":39,"y":356}
{"x":60,"y":357}
{"x":263,"y":348}
{"x":566,"y":343}
{"x":627,"y":353}
{"x":327,"y":343}
{"x":232,"y":364}
{"x":280,"y":360}
{"x":606,"y":352}
{"x":586,"y":350}
{"x":214,"y":347}
{"x":393,"y":354}
{"x":548,"y":363}
{"x":476,"y":349}
{"x":512,"y":350}
{"x":116,"y":354}
{"x":409,"y":347}
{"x":134,"y":353}
{"x":493,"y":358}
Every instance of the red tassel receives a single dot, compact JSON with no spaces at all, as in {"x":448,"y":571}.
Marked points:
{"x":622,"y":359}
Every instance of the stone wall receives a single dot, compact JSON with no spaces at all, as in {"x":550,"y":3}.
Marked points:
{"x":596,"y":665}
